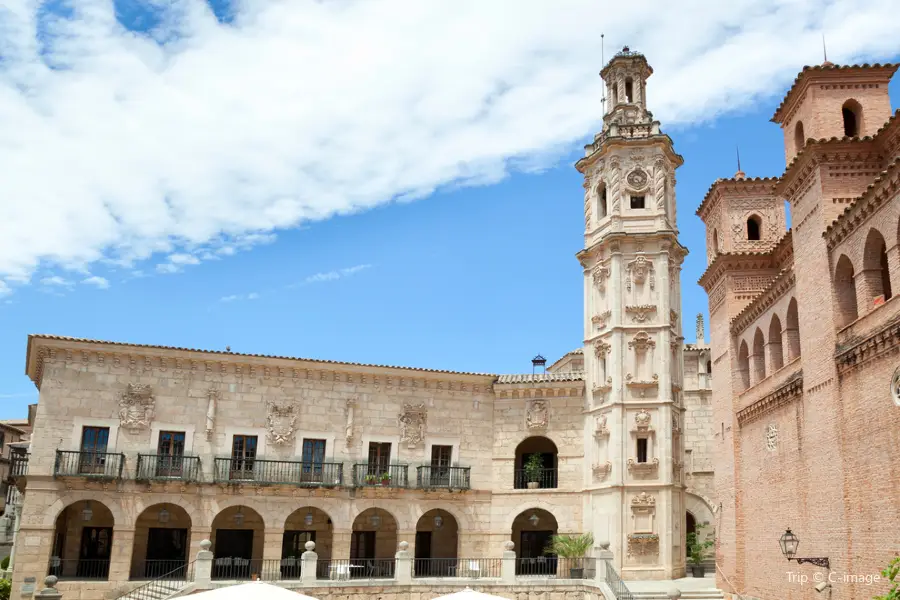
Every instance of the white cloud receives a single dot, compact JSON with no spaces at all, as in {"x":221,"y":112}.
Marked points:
{"x":4,"y":290}
{"x":300,"y":110}
{"x":100,"y":282}
{"x":237,"y":297}
{"x":56,"y":281}
{"x":333,"y":275}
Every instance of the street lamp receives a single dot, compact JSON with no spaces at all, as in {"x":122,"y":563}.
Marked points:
{"x":163,"y":516}
{"x":308,"y":519}
{"x":375,"y":519}
{"x":438,"y":521}
{"x":534,"y":519}
{"x":789,"y":543}
{"x":239,"y":517}
{"x":87,"y":514}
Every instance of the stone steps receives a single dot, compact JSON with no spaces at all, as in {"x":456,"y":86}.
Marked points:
{"x":685,"y":595}
{"x":161,"y":590}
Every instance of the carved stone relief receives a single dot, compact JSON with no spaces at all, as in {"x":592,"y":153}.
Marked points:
{"x":637,"y":179}
{"x":137,"y":407}
{"x":615,"y":181}
{"x":599,"y":321}
{"x":348,"y":433}
{"x":771,"y":437}
{"x":281,"y":419}
{"x":537,"y":414}
{"x":642,"y":342}
{"x":601,"y":349}
{"x":642,"y":420}
{"x":599,"y":275}
{"x":412,"y":424}
{"x":643,"y":499}
{"x":641,"y":313}
{"x":212,"y":400}
{"x":638,"y":271}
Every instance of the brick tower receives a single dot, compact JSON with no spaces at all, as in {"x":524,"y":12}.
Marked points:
{"x":632,"y":330}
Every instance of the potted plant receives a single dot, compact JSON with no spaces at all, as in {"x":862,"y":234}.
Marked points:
{"x":370,"y":479}
{"x":697,"y":552}
{"x":534,"y":467}
{"x":385,"y":478}
{"x":571,"y":547}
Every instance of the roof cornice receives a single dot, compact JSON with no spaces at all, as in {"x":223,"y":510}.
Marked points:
{"x":882,"y":189}
{"x":739,"y":186}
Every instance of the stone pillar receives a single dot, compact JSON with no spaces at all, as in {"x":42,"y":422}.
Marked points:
{"x":272,"y":542}
{"x":508,"y":564}
{"x":308,"y":562}
{"x":403,"y":571}
{"x":340,"y":544}
{"x":49,"y":592}
{"x":774,"y":355}
{"x":203,"y":566}
{"x":603,"y":556}
{"x":120,"y":561}
{"x":863,"y":300}
{"x":790,"y":342}
{"x":893,"y":256}
{"x":757,"y":368}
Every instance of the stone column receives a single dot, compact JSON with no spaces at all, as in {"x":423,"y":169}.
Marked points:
{"x":508,"y":564}
{"x":774,"y":355}
{"x":893,"y":256}
{"x":863,"y":299}
{"x":272,"y":542}
{"x":308,"y":562}
{"x":790,"y":339}
{"x":120,"y":561}
{"x":340,"y":544}
{"x":203,"y":566}
{"x":403,"y":570}
{"x":603,"y":556}
{"x":757,"y":368}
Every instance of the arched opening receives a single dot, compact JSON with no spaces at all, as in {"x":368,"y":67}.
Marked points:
{"x":373,"y":544}
{"x":601,"y":201}
{"x":532,"y":532}
{"x":82,"y":542}
{"x":437,"y":541}
{"x":307,"y":524}
{"x":615,"y":94}
{"x":776,"y":353}
{"x":709,"y":367}
{"x":715,"y":241}
{"x":851,"y":112}
{"x":799,"y":137}
{"x":629,"y":90}
{"x":754,"y":228}
{"x":875,"y":267}
{"x":792,"y":330}
{"x":758,"y":361}
{"x":238,"y":534}
{"x":536,"y":464}
{"x":845,"y":292}
{"x":690,"y":526}
{"x":162,"y":536}
{"x":744,"y":366}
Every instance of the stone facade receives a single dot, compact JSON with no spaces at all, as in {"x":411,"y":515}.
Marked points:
{"x":804,"y":334}
{"x":274,"y":451}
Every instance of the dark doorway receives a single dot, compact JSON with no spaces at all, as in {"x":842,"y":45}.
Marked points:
{"x":234,"y":549}
{"x":293,"y":545}
{"x":423,"y":566}
{"x":96,"y":548}
{"x":690,"y":526}
{"x":166,"y":551}
{"x":533,"y":559}
{"x":362,"y":545}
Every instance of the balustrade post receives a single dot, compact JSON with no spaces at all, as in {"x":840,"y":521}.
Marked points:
{"x":403,"y":567}
{"x":203,"y":566}
{"x":49,"y":592}
{"x":308,"y":562}
{"x":603,"y":556}
{"x":508,"y":564}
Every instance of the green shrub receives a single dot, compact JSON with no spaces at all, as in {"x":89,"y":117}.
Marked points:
{"x":890,"y":573}
{"x":4,"y":564}
{"x":5,"y":589}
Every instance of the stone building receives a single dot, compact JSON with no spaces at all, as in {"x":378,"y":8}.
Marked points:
{"x":804,"y":337}
{"x":141,"y":452}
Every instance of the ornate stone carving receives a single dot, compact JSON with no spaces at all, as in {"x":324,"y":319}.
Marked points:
{"x":537,"y":415}
{"x":412,"y":424}
{"x":280,"y":423}
{"x":600,"y":427}
{"x":642,"y":342}
{"x":643,"y":499}
{"x":643,"y":544}
{"x":137,"y":407}
{"x":601,"y":349}
{"x":348,"y":433}
{"x":212,"y":400}
{"x":701,"y":330}
{"x":659,"y":183}
{"x":643,"y":467}
{"x":599,"y":275}
{"x":601,"y":470}
{"x":676,"y":428}
{"x":673,"y":318}
{"x":642,"y":420}
{"x":638,"y":271}
{"x":599,"y":321}
{"x":771,"y":437}
{"x":640,"y":313}
{"x":615,"y":181}
{"x":637,"y":179}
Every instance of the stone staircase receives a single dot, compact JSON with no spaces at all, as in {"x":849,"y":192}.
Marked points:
{"x":685,"y":595}
{"x":155,"y":590}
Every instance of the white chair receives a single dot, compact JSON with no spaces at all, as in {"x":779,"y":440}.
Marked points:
{"x":474,"y":569}
{"x":340,"y":571}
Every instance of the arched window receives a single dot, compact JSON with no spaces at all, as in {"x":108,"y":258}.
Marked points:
{"x":629,"y":90}
{"x":536,"y":464}
{"x":776,"y":355}
{"x":615,"y":94}
{"x":852,"y":115}
{"x":792,"y":331}
{"x":715,"y":241}
{"x":875,"y":267}
{"x":754,"y":227}
{"x":709,"y":367}
{"x":758,"y":361}
{"x":845,"y":292}
{"x":601,"y":201}
{"x":799,"y":137}
{"x":744,"y":366}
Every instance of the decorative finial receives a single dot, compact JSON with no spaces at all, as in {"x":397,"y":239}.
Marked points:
{"x":227,"y":348}
{"x":825,"y":62}
{"x":740,"y":174}
{"x":701,"y":330}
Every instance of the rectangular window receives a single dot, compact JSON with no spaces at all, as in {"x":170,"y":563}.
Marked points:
{"x":642,"y":450}
{"x":313,"y":457}
{"x":441,"y":459}
{"x":243,"y":451}
{"x":94,"y":441}
{"x":637,"y":202}
{"x":170,"y":454}
{"x":379,"y":457}
{"x":689,"y":460}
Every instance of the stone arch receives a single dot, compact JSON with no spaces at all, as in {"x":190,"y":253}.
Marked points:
{"x":700,"y":507}
{"x":758,"y":362}
{"x":776,"y":353}
{"x":420,"y":508}
{"x":531,"y":531}
{"x":754,"y":227}
{"x":744,"y":365}
{"x":852,"y":115}
{"x":83,"y":524}
{"x":799,"y":136}
{"x":547,"y":452}
{"x":62,"y":503}
{"x":220,"y":504}
{"x":792,"y":330}
{"x":333,"y":511}
{"x":238,"y":535}
{"x":602,"y":203}
{"x":306,"y":524}
{"x":629,"y":90}
{"x":437,"y":544}
{"x":875,"y":270}
{"x":374,"y":542}
{"x":846,"y":310}
{"x":142,"y":502}
{"x":162,"y":539}
{"x":527,"y":506}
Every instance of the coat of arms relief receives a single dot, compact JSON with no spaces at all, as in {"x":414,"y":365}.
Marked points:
{"x":137,"y":407}
{"x":537,"y":415}
{"x":281,"y":419}
{"x":412,"y":424}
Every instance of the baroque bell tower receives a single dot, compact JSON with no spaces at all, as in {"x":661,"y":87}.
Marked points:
{"x":632,"y":259}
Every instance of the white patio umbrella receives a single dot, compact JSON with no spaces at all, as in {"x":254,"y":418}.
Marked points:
{"x":246,"y":591}
{"x":469,"y":594}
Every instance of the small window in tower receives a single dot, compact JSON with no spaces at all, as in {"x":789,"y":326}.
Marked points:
{"x":799,"y":137}
{"x":601,"y":201}
{"x":852,"y":114}
{"x":709,"y":367}
{"x":642,"y":450}
{"x":753,"y":228}
{"x":629,"y":90}
{"x":637,"y":202}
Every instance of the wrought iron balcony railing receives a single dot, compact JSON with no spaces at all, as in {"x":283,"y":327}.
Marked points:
{"x":257,"y":470}
{"x":102,"y":465}
{"x":539,"y":479}
{"x":447,"y":478}
{"x":18,"y":465}
{"x":166,"y":467}
{"x":373,"y":474}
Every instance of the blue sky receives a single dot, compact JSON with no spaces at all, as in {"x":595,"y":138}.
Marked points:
{"x":472,"y":269}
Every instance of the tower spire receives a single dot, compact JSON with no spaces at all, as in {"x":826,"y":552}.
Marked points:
{"x":740,"y":174}
{"x":825,"y":62}
{"x":603,"y":62}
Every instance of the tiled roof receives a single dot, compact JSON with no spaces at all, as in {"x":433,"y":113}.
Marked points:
{"x":808,"y":70}
{"x":541,"y":377}
{"x":222,"y":353}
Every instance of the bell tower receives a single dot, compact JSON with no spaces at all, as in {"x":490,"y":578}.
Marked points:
{"x":635,"y":490}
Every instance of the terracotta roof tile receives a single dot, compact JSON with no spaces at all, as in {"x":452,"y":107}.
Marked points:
{"x":541,"y":377}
